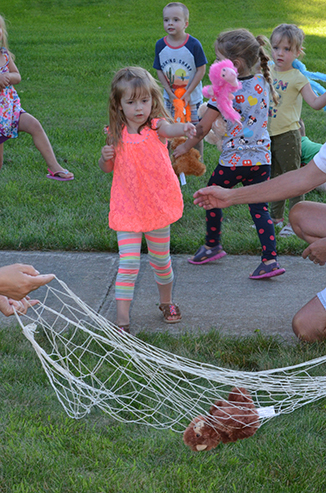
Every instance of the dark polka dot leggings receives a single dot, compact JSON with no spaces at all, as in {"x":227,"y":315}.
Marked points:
{"x":247,"y":175}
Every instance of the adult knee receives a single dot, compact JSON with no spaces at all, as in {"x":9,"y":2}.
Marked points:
{"x":308,"y":330}
{"x":295,"y":217}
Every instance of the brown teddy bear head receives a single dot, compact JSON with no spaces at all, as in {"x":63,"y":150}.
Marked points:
{"x":201,"y":435}
{"x":228,"y":421}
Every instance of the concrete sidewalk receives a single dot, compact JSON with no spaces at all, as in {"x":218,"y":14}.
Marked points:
{"x":215,"y":295}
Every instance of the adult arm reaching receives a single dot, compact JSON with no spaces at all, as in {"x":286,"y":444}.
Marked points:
{"x":282,"y":187}
{"x":308,"y":220}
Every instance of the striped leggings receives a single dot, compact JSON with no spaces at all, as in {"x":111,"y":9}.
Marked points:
{"x":158,"y":245}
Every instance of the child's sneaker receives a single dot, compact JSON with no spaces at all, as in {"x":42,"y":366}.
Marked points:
{"x":286,"y":231}
{"x":204,"y":255}
{"x":278,"y":224}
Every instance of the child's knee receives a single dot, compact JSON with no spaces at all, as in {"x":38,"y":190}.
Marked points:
{"x":33,"y":126}
{"x":163,"y":273}
{"x":37,"y":127}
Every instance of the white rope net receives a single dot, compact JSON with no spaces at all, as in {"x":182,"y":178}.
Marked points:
{"x":89,"y":363}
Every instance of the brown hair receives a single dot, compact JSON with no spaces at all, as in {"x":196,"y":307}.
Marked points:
{"x":181,"y":6}
{"x":242,"y":45}
{"x":293,"y":33}
{"x":141,"y":83}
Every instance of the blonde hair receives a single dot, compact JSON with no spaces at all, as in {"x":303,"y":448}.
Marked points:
{"x":4,"y":40}
{"x":242,"y":45}
{"x":292,"y":33}
{"x":181,"y":6}
{"x":141,"y":83}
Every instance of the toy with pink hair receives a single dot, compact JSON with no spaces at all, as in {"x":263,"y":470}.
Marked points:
{"x":223,"y":76}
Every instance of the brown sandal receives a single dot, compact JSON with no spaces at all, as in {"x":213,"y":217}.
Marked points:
{"x":124,"y":328}
{"x":170,"y":310}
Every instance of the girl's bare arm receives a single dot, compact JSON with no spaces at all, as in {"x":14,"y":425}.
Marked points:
{"x":314,"y":101}
{"x":106,"y":161}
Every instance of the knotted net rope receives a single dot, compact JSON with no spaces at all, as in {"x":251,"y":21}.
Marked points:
{"x":89,"y":363}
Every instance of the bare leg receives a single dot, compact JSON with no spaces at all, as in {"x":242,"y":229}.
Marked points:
{"x":123,"y":309}
{"x":30,"y":125}
{"x":165,"y":291}
{"x":308,"y":220}
{"x":1,"y":155}
{"x":309,"y":324}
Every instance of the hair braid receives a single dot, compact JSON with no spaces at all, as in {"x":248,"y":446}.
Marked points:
{"x":264,"y":59}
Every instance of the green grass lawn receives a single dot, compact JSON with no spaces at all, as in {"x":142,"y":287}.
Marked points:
{"x":42,"y":450}
{"x":67,"y":52}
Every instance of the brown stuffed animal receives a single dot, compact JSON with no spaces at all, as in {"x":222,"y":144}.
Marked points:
{"x":189,"y":163}
{"x":228,"y":421}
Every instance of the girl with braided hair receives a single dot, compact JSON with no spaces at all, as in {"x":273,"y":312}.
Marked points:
{"x":245,"y":156}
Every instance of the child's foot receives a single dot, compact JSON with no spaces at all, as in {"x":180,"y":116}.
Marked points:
{"x":205,"y":254}
{"x":278,"y":223}
{"x":270,"y":268}
{"x":286,"y":231}
{"x":60,"y":175}
{"x":171,"y":312}
{"x":124,"y":328}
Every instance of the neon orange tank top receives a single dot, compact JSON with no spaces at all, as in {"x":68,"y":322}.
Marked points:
{"x":145,"y":193}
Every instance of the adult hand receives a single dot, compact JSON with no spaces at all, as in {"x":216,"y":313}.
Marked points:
{"x":316,"y":252}
{"x":213,"y":197}
{"x":8,"y":305}
{"x":17,"y":280}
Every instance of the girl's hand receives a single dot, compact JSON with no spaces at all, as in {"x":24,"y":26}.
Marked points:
{"x":106,"y":161}
{"x":178,"y":151}
{"x":4,"y":80}
{"x":189,"y":130}
{"x":107,"y":153}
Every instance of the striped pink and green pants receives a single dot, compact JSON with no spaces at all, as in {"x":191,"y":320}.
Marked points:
{"x":158,"y":245}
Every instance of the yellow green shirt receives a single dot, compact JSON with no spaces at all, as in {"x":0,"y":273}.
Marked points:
{"x":285,"y":116}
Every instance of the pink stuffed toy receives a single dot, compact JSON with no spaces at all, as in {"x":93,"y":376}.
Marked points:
{"x":223,"y":76}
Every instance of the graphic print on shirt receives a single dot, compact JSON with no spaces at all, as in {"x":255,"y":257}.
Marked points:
{"x":177,"y":73}
{"x":280,"y":87}
{"x":248,"y":143}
